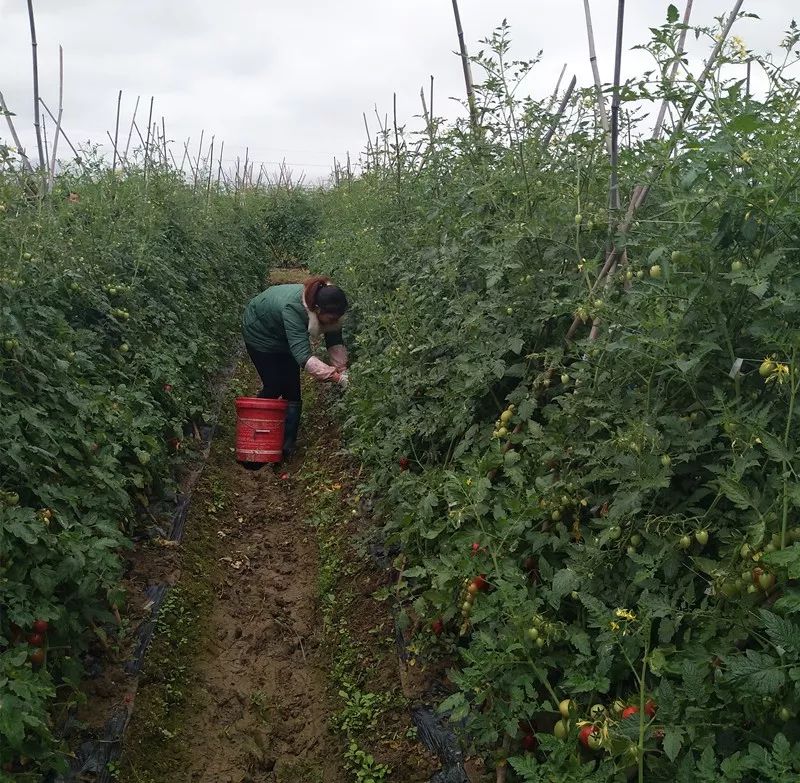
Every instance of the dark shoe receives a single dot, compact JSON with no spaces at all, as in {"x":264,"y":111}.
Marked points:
{"x":252,"y":465}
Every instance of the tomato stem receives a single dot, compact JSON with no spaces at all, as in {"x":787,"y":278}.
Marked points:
{"x":642,"y":698}
{"x":787,"y":468}
{"x":544,"y":681}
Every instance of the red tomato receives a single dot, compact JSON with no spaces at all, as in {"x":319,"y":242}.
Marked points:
{"x":37,"y":657}
{"x":36,"y":640}
{"x":480,"y":582}
{"x":404,"y":463}
{"x":628,"y":711}
{"x":437,"y":626}
{"x":589,"y":736}
{"x":41,"y":626}
{"x":650,"y":708}
{"x":167,"y":387}
{"x":529,"y":743}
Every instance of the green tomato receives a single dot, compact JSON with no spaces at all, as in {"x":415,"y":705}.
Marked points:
{"x":736,"y":266}
{"x":666,"y":460}
{"x":701,"y":536}
{"x":636,"y":539}
{"x":685,"y":542}
{"x":533,"y":634}
{"x":655,"y":271}
{"x":561,"y":729}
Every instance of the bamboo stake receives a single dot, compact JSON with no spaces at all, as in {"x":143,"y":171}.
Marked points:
{"x":188,"y":157}
{"x":467,"y":68}
{"x":52,"y":175}
{"x":641,"y":192}
{"x":185,"y":152}
{"x":221,"y":152}
{"x":560,"y":112}
{"x":681,"y":42}
{"x":26,"y":164}
{"x":114,"y":146}
{"x":36,"y":114}
{"x":210,"y":169}
{"x":555,"y":92}
{"x":598,"y":85}
{"x":246,"y":165}
{"x":397,"y":148}
{"x":613,"y":194}
{"x":366,"y":127}
{"x":130,"y":130}
{"x":139,"y":134}
{"x":46,"y":147}
{"x":164,"y":138}
{"x":116,"y":133}
{"x":62,"y":132}
{"x":147,"y":141}
{"x":197,"y":162}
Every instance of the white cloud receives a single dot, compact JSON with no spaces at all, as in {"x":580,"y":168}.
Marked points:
{"x":291,"y":79}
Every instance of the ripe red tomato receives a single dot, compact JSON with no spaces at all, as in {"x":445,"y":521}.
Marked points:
{"x":628,"y":711}
{"x":437,"y":626}
{"x":404,"y":462}
{"x":37,"y":657}
{"x":529,"y":743}
{"x":476,"y":547}
{"x":480,"y":582}
{"x":589,"y":736}
{"x":650,"y":708}
{"x":168,"y":388}
{"x":40,"y":626}
{"x":36,"y":640}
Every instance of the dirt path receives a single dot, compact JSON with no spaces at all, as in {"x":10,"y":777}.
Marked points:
{"x":261,"y":682}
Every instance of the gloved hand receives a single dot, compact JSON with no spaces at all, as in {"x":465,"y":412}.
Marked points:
{"x":343,"y":379}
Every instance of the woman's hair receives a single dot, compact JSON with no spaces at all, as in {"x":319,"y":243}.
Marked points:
{"x":320,"y":292}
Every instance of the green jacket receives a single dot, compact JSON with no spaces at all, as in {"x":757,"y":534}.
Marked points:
{"x":276,"y":321}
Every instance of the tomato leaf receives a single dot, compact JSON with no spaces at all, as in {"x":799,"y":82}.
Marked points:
{"x":673,"y":740}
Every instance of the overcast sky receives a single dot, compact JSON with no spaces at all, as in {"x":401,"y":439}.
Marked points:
{"x":291,"y":78}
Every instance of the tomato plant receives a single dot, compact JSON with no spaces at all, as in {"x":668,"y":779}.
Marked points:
{"x":117,"y":310}
{"x":633,"y":488}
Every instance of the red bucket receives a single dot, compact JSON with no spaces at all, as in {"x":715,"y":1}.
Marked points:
{"x":259,"y":429}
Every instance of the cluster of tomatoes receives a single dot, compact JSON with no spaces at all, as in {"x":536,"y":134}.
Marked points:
{"x":594,"y":731}
{"x":501,"y":425}
{"x":543,"y":632}
{"x":36,"y":638}
{"x":471,"y":588}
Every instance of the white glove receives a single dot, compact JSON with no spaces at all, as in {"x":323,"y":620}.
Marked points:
{"x":343,"y":380}
{"x":320,"y":371}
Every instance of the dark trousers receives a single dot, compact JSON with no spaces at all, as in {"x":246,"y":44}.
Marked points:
{"x":279,"y":373}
